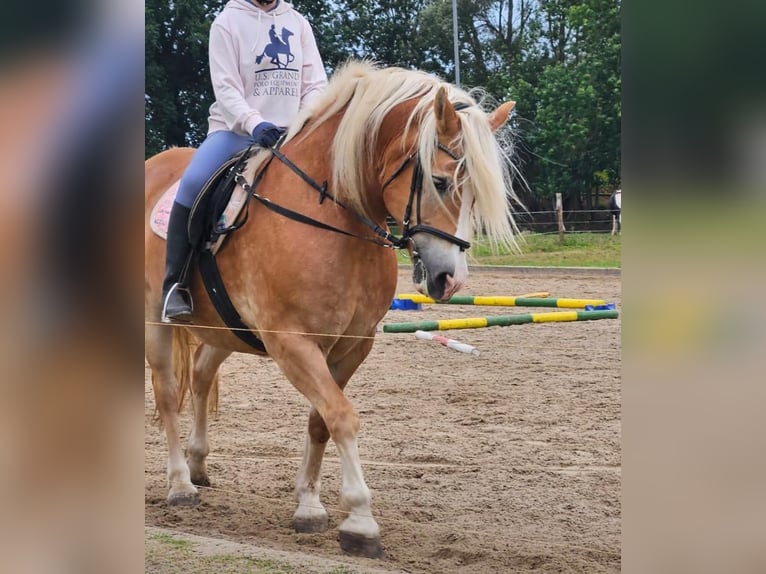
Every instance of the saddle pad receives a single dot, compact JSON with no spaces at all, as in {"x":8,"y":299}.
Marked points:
{"x":161,"y":212}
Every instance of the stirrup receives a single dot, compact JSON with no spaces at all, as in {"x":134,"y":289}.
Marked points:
{"x":185,"y":294}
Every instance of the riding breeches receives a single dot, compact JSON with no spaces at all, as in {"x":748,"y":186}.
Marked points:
{"x":211,"y":155}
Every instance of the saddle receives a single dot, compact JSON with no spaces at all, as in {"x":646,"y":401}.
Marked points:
{"x":217,"y":212}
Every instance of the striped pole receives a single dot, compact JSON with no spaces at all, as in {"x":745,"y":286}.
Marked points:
{"x":499,"y":321}
{"x":506,"y":301}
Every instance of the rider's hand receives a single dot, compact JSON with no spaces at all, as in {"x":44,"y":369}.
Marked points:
{"x":266,"y":134}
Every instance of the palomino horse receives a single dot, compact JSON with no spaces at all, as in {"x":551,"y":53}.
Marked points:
{"x":389,"y":142}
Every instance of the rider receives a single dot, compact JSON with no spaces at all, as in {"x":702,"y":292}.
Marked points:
{"x":252,"y":106}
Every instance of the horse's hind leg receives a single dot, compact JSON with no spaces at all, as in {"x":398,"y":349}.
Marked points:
{"x":207,"y":359}
{"x":159,"y":342}
{"x":359,"y":533}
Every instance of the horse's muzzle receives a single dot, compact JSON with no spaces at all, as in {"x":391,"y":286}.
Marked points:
{"x":434,"y":268}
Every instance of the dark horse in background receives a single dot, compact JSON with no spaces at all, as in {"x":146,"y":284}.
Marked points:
{"x":615,"y":209}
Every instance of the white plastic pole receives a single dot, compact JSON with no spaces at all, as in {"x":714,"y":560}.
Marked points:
{"x":449,"y":343}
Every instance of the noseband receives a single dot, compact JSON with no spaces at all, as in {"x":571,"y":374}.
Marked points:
{"x":416,"y":191}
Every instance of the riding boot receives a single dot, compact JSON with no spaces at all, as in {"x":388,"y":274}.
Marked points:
{"x":176,"y":298}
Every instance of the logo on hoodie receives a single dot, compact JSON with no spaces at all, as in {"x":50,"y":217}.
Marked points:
{"x":278,"y":50}
{"x":279,"y":80}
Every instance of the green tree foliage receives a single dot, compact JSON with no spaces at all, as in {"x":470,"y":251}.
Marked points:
{"x":177,"y":75}
{"x":558,"y":59}
{"x":575,"y":124}
{"x":384,"y":31}
{"x":492,"y":37}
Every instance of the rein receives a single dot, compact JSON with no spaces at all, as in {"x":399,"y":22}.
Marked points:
{"x":393,"y":241}
{"x":389,"y":240}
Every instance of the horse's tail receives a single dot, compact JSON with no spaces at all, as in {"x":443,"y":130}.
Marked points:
{"x":184,"y":348}
{"x":259,"y":58}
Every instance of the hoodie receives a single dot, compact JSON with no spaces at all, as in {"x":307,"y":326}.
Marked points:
{"x":265,"y":66}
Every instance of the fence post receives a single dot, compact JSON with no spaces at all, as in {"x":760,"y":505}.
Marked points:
{"x":560,"y":218}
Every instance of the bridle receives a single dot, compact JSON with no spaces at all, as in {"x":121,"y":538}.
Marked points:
{"x":416,"y":191}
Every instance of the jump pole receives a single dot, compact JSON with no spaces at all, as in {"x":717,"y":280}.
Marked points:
{"x":506,"y":301}
{"x":499,"y":321}
{"x":450,"y":343}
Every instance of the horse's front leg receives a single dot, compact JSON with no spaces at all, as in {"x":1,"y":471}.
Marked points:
{"x":303,"y":364}
{"x":359,"y":533}
{"x":311,"y":516}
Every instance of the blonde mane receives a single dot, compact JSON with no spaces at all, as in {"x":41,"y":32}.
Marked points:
{"x":368,"y":93}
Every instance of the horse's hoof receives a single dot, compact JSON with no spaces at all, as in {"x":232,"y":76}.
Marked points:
{"x":201,"y":481}
{"x":184,"y":499}
{"x":359,"y":545}
{"x":310,"y":524}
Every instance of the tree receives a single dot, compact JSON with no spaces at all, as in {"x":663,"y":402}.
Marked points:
{"x":492,"y":36}
{"x":576,"y":131}
{"x":558,"y":59}
{"x":384,"y":31}
{"x":178,"y":91}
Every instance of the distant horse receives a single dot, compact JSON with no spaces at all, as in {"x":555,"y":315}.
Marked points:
{"x":615,"y":208}
{"x":277,"y":47}
{"x":389,"y":142}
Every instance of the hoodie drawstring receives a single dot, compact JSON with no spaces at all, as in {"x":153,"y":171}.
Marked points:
{"x":273,"y":13}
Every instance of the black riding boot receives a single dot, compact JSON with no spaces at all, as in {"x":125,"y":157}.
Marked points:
{"x":176,"y":298}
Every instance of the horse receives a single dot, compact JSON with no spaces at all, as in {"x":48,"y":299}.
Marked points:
{"x":387,"y":142}
{"x":615,"y":209}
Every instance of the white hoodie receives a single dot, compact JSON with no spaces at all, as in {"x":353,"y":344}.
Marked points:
{"x":264,"y":66}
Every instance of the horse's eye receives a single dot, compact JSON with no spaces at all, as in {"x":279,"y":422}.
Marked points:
{"x":441,"y":184}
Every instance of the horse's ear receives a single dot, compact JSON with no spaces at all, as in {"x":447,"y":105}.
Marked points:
{"x":500,"y":115}
{"x":447,"y":122}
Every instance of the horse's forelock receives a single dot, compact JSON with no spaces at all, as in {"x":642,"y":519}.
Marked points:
{"x":490,"y":171}
{"x":486,"y":167}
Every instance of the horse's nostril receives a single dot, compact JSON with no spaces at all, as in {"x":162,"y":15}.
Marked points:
{"x":441,"y":285}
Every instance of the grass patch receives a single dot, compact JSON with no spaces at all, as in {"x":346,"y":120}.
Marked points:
{"x":169,"y":540}
{"x":166,"y":554}
{"x":170,"y":557}
{"x":537,"y":250}
{"x":244,"y":565}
